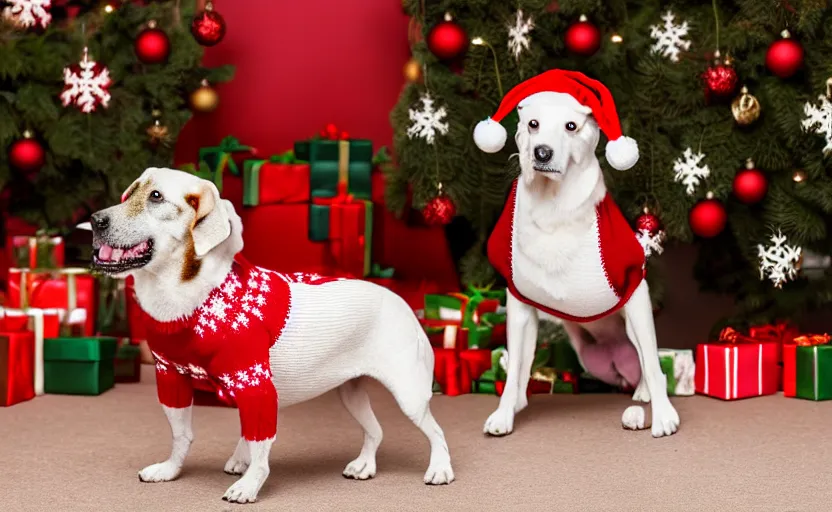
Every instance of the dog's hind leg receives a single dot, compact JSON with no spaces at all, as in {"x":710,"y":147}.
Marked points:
{"x":522,"y":324}
{"x":638,"y":315}
{"x":354,"y":397}
{"x":240,"y":459}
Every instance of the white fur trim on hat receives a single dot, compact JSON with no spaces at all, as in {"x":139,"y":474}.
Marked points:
{"x":622,"y":153}
{"x":490,"y":136}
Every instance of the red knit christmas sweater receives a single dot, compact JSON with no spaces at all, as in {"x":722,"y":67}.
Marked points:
{"x":223,"y":346}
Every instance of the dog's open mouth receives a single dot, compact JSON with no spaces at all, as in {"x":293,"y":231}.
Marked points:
{"x":544,"y":168}
{"x":114,"y":260}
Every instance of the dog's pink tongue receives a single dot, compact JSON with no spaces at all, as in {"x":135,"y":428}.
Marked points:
{"x":105,"y":253}
{"x":117,"y":254}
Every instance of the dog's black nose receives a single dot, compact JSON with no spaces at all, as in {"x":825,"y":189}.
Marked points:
{"x":543,"y":154}
{"x":100,"y":222}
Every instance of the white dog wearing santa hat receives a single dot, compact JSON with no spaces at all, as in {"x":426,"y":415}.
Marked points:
{"x":567,"y":251}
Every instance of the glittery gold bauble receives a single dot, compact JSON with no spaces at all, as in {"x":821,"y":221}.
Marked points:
{"x":158,"y":133}
{"x":204,"y":99}
{"x":413,"y":71}
{"x":745,"y":107}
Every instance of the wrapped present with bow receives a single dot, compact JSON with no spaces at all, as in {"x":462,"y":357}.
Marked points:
{"x":282,"y":179}
{"x":229,"y":155}
{"x":79,"y":366}
{"x":736,"y":366}
{"x":462,"y":314}
{"x":456,"y":370}
{"x":807,"y":367}
{"x":679,"y":368}
{"x":544,"y":379}
{"x":17,"y":365}
{"x":779,"y":332}
{"x":338,"y":165}
{"x":345,"y":224}
{"x":40,"y":251}
{"x":25,"y":331}
{"x":70,"y":289}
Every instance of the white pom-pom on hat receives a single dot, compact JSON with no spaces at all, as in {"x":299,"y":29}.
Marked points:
{"x":622,"y":153}
{"x":490,"y":136}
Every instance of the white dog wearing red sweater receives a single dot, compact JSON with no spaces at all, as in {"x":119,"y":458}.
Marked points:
{"x":567,"y":251}
{"x":252,"y":335}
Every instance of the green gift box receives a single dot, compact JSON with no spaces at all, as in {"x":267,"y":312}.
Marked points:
{"x":79,"y":366}
{"x":679,"y":368}
{"x":814,"y":372}
{"x":479,"y":336}
{"x":486,"y":384}
{"x":128,"y":362}
{"x":338,"y":167}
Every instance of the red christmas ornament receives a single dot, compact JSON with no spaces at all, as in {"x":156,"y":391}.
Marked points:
{"x":439,"y":211}
{"x":648,"y":222}
{"x":785,"y":56}
{"x":208,"y":27}
{"x":583,"y":37}
{"x":750,"y":184}
{"x":152,"y":45}
{"x":708,"y":217}
{"x":447,"y":40}
{"x":26,"y":154}
{"x":720,"y":79}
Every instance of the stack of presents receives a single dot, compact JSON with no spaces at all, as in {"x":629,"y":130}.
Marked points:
{"x":58,"y":331}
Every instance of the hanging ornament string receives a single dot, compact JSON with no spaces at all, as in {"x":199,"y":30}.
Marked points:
{"x":716,"y":21}
{"x":478,"y":41}
{"x":177,"y":14}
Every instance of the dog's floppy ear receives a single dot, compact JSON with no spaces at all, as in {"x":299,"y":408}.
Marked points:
{"x":211,"y":224}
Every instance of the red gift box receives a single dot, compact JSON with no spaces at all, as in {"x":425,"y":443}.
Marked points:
{"x":348,"y":237}
{"x":275,"y":182}
{"x":17,"y":367}
{"x":265,"y":225}
{"x":30,"y":248}
{"x":135,"y":315}
{"x":455,"y":369}
{"x":736,"y":367}
{"x":47,"y":292}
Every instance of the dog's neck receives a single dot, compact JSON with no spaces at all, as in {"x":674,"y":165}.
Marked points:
{"x":557,"y":203}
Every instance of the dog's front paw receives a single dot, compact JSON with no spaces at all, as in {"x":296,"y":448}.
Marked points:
{"x":641,"y":394}
{"x":665,"y":419}
{"x":235,"y":466}
{"x":161,"y":472}
{"x":439,"y":474}
{"x":633,"y":418}
{"x":361,"y":468}
{"x":244,"y":490}
{"x":500,"y":423}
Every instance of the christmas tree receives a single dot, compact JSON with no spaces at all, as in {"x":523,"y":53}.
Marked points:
{"x":729,"y":102}
{"x":91,"y":94}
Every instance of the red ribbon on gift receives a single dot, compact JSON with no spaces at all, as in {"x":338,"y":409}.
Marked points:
{"x":331,"y":132}
{"x":812,"y":340}
{"x":455,"y":369}
{"x":729,"y":335}
{"x":779,"y":332}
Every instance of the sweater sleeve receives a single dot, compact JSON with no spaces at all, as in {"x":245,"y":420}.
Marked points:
{"x":174,"y":389}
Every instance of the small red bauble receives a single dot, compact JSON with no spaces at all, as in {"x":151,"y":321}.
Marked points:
{"x":208,"y":27}
{"x":720,"y":79}
{"x":439,"y":211}
{"x":708,"y":217}
{"x":785,"y":56}
{"x":750,"y":184}
{"x":583,"y":37}
{"x":26,"y":154}
{"x":152,"y":45}
{"x":447,"y":40}
{"x":648,"y":222}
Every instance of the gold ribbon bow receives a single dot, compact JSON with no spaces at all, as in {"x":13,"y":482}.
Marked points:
{"x":812,"y":340}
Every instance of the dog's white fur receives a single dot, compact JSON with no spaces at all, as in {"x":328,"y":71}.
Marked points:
{"x":336,"y":334}
{"x":554,"y":208}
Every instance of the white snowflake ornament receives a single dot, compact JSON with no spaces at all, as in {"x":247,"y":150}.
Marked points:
{"x":518,"y":34}
{"x":86,"y":84}
{"x":819,"y":119}
{"x":651,"y":242}
{"x":669,"y":37}
{"x":690,"y":170}
{"x":779,"y":261}
{"x":28,"y":13}
{"x":427,"y":121}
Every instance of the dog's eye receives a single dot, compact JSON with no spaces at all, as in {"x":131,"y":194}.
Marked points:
{"x":156,"y":196}
{"x":571,"y":126}
{"x":533,"y":124}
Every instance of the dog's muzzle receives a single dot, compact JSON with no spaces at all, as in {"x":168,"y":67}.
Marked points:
{"x":543,"y":159}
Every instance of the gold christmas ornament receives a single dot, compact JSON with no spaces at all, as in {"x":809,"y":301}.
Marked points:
{"x":413,"y":71}
{"x":158,"y":133}
{"x":798,"y":176}
{"x":205,"y":99}
{"x":745,"y":107}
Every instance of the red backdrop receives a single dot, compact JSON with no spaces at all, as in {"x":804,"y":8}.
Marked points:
{"x":301,"y":65}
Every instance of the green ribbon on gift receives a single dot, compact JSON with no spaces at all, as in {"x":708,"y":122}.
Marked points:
{"x":219,"y":157}
{"x":493,"y":319}
{"x":287,"y":157}
{"x":204,"y":172}
{"x":377,"y":271}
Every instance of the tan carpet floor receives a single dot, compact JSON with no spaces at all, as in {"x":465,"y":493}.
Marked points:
{"x":568,"y":452}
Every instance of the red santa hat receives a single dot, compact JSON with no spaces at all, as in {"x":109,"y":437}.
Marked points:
{"x":621,"y":151}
